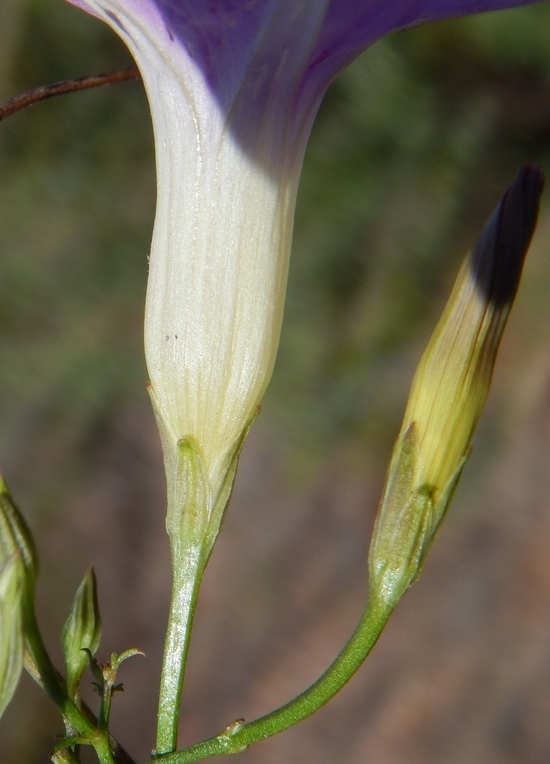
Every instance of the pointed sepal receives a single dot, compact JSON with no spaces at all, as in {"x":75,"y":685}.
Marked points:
{"x":81,"y":633}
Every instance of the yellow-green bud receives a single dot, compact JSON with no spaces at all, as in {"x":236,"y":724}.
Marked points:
{"x":82,"y":632}
{"x":449,"y":391}
{"x":12,"y":576}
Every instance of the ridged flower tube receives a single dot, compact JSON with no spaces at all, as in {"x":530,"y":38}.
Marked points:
{"x":233,"y":88}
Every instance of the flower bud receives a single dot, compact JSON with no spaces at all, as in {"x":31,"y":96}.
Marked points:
{"x":449,"y":391}
{"x":15,"y":537}
{"x":12,"y":575}
{"x":82,"y":632}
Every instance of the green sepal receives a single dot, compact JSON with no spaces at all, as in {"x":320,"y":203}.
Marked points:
{"x":12,"y":575}
{"x":188,"y":506}
{"x":401,"y":526}
{"x":440,"y":511}
{"x":408,"y":520}
{"x":221,"y":500}
{"x":195,"y":513}
{"x":81,"y":633}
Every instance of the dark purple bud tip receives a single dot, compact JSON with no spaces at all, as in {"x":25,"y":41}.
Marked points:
{"x":497,"y":260}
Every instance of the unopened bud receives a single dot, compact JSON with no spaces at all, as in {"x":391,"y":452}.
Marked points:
{"x":82,"y":632}
{"x":449,"y":391}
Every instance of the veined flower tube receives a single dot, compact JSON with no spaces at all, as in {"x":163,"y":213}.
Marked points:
{"x":233,"y":86}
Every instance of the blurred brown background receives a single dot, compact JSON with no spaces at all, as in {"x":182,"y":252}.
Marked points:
{"x":411,"y":151}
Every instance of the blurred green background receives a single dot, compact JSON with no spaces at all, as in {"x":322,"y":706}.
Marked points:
{"x":412,"y":149}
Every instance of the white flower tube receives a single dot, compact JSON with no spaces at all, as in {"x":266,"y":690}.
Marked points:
{"x":228,"y":165}
{"x":233,"y":89}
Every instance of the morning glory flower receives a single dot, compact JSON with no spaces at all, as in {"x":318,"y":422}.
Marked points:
{"x":233,"y":86}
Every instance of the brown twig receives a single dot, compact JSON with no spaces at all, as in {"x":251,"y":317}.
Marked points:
{"x":44,"y":92}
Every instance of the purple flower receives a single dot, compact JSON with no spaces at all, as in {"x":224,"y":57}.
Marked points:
{"x":234,"y":86}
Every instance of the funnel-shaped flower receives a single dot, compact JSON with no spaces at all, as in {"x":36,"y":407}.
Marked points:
{"x":233,"y":87}
{"x":449,"y":391}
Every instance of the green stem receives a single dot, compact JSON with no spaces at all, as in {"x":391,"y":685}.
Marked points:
{"x":105,"y":710}
{"x":188,"y":566}
{"x":103,"y":751}
{"x":41,"y":668}
{"x":39,"y":664}
{"x":237,"y":738}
